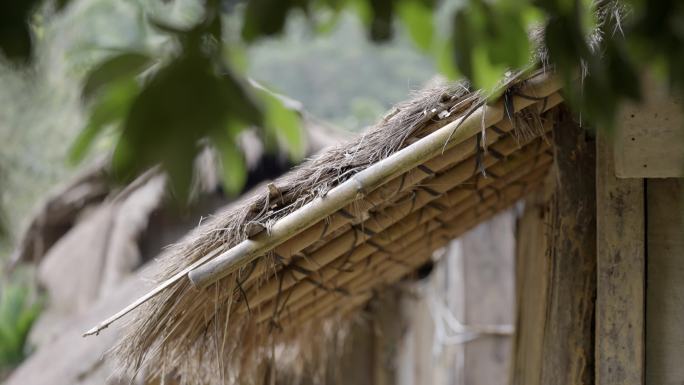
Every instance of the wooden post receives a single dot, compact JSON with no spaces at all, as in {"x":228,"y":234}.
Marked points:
{"x":620,"y":272}
{"x":559,"y":333}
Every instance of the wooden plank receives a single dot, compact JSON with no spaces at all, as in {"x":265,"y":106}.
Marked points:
{"x":650,"y":137}
{"x":489,"y":264}
{"x":620,"y":266}
{"x":532,"y":278}
{"x":665,"y":290}
{"x":562,"y":338}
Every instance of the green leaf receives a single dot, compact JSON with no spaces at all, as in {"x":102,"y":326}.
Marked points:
{"x":18,"y":311}
{"x":443,"y":56}
{"x":109,"y":108}
{"x":462,"y":39}
{"x":232,"y":163}
{"x":266,"y":17}
{"x":417,"y":17}
{"x":183,"y":103}
{"x":285,"y":123}
{"x":487,"y":74}
{"x":382,"y":15}
{"x":122,"y":66}
{"x":15,"y":33}
{"x":60,"y":4}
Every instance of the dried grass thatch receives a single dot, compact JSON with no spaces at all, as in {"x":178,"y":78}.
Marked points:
{"x":463,"y":161}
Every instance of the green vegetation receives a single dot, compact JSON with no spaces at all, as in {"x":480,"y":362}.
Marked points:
{"x":19,"y":307}
{"x":340,"y":76}
{"x":205,"y":41}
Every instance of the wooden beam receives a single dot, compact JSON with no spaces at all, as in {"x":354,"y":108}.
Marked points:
{"x":558,"y":333}
{"x":620,"y":272}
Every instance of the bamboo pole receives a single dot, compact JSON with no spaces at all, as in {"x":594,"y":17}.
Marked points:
{"x":377,"y":225}
{"x":417,"y":241}
{"x":365,"y":181}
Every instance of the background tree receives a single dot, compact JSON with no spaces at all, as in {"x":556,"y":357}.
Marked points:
{"x":167,"y":98}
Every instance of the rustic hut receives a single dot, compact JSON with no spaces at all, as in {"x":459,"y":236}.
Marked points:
{"x":93,"y":244}
{"x":260,"y":292}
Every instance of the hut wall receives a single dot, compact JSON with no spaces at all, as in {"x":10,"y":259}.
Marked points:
{"x":474,"y":283}
{"x":665,"y":282}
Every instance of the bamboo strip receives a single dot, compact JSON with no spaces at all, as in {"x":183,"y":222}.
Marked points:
{"x":375,"y":225}
{"x":451,"y":217}
{"x":392,"y":271}
{"x":405,"y":235}
{"x":365,"y":181}
{"x":423,"y":241}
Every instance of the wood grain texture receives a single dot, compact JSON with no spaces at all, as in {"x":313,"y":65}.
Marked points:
{"x":489,"y":280}
{"x":568,"y":336}
{"x":555,"y":341}
{"x":532,"y":279}
{"x":620,"y":266}
{"x":665,"y":290}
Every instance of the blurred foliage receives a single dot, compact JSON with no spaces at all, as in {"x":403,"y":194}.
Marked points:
{"x":339,"y":75}
{"x":19,"y":308}
{"x":164,"y":100}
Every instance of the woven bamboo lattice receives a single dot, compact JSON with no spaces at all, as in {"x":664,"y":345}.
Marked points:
{"x":273,"y":269}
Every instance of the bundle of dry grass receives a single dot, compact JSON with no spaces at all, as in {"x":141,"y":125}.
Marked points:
{"x":312,"y":247}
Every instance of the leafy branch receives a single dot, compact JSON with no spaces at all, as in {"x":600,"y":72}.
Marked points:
{"x":165,"y":105}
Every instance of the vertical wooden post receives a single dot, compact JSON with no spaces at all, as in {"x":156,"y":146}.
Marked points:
{"x":620,"y":272}
{"x":569,"y":341}
{"x":561,"y":332}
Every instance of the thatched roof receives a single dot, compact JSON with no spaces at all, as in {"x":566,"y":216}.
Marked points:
{"x":265,"y":278}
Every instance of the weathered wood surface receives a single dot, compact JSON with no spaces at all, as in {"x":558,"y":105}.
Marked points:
{"x":532,"y":280}
{"x":569,"y":333}
{"x":563,"y":338}
{"x":620,"y":265}
{"x":665,"y":287}
{"x":474,"y":281}
{"x":489,"y":283}
{"x":650,"y":135}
